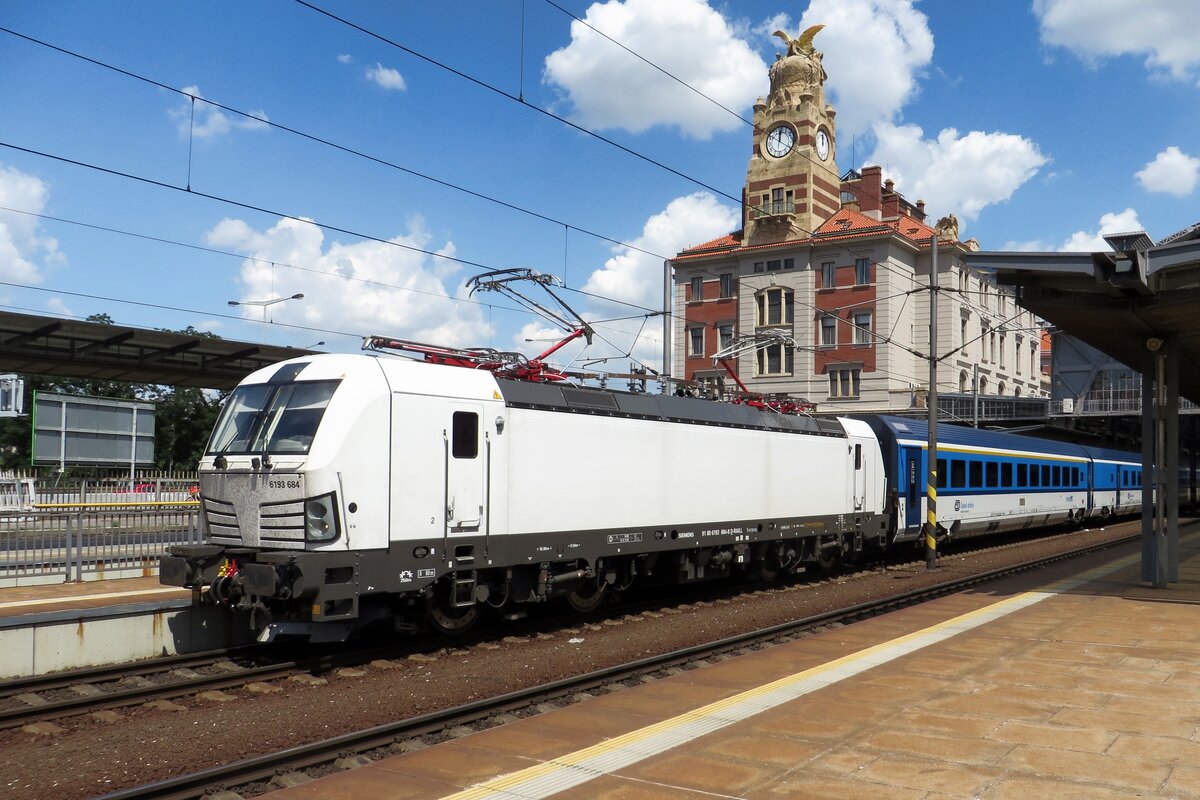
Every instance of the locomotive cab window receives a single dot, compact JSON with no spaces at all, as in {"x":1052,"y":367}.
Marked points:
{"x":272,"y":418}
{"x":464,"y":442}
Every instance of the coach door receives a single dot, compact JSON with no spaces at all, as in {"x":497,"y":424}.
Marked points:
{"x":913,"y":482}
{"x":465,"y":470}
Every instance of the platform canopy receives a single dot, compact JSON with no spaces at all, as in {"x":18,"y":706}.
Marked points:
{"x":92,"y":350}
{"x":1137,"y":297}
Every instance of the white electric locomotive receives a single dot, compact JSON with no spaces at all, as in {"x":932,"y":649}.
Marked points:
{"x":342,"y":490}
{"x":338,"y":490}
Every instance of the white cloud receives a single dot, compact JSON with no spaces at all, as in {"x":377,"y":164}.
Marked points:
{"x":874,"y":52}
{"x":204,"y":120}
{"x":953,"y":173}
{"x":1171,"y":172}
{"x":636,"y":277}
{"x":1113,"y":222}
{"x":345,"y":58}
{"x":22,"y":244}
{"x":59,"y":308}
{"x":394,"y":291}
{"x":386,"y":77}
{"x":1164,"y":31}
{"x":608,"y":87}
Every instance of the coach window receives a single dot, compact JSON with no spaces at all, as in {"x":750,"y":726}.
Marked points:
{"x":976,"y":472}
{"x":1046,"y":475}
{"x":465,"y":441}
{"x":993,"y":474}
{"x":958,"y":473}
{"x":941,"y":476}
{"x":1022,"y":474}
{"x":1056,"y":475}
{"x":1006,"y":476}
{"x":1033,"y":475}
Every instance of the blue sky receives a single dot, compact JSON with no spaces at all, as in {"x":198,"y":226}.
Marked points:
{"x":1039,"y":124}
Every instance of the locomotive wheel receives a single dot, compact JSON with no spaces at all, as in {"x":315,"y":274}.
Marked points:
{"x":586,"y":599}
{"x":767,"y":566}
{"x":448,"y":619}
{"x":829,"y":560}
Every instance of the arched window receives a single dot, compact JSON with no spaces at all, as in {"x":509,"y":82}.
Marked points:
{"x":1000,"y":390}
{"x":982,"y":385}
{"x":963,"y":386}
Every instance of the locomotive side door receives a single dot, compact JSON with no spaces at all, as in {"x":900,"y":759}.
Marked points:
{"x":860,"y":477}
{"x":465,"y":468}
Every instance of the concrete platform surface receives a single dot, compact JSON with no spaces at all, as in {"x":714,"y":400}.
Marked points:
{"x":1074,"y":682}
{"x":17,"y":600}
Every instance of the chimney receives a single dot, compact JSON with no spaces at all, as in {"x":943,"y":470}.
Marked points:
{"x":921,"y":210}
{"x":891,"y":200}
{"x":869,"y":197}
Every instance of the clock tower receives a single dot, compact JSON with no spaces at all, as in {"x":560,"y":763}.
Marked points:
{"x":792,"y":183}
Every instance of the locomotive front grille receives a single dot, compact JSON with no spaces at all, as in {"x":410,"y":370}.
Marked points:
{"x":222,"y":521}
{"x":282,"y":525}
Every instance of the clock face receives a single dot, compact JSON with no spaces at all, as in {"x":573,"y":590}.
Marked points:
{"x":780,"y":140}
{"x":822,"y":144}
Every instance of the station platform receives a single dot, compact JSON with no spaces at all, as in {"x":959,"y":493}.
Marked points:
{"x":1076,"y":681}
{"x":53,"y":627}
{"x":73,"y":597}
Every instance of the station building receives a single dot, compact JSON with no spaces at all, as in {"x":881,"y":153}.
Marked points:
{"x":840,"y":263}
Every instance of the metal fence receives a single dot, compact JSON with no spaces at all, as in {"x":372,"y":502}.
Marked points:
{"x":91,"y":543}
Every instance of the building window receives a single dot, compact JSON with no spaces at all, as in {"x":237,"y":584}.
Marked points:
{"x":726,"y":285}
{"x":844,"y":381}
{"x":984,"y":299}
{"x":992,"y":345}
{"x":828,"y":331}
{"x":983,"y":348}
{"x":828,"y":275}
{"x":774,"y":265}
{"x":775,"y":360}
{"x":789,"y":263}
{"x":963,"y":332}
{"x":962,"y":382}
{"x":696,"y":342}
{"x":862,"y":327}
{"x":862,"y":271}
{"x":1000,"y":389}
{"x":724,"y":334}
{"x":775,"y":307}
{"x":1020,"y":341}
{"x":697,"y":289}
{"x":759,"y":266}
{"x":1002,"y":358}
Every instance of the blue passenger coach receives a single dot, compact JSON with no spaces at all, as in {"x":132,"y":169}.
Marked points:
{"x":990,"y":482}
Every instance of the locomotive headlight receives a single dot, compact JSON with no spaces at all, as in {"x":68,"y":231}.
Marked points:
{"x":320,"y":521}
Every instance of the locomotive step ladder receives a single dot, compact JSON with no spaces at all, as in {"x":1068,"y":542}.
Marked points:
{"x":463,"y":594}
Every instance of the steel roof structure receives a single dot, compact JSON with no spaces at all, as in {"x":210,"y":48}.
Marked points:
{"x":1137,"y":295}
{"x":97,"y":351}
{"x":1140,"y":304}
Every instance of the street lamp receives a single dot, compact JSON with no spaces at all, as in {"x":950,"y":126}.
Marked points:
{"x":265,"y":304}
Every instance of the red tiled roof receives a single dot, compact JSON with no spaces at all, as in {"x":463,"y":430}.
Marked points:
{"x":845,"y":224}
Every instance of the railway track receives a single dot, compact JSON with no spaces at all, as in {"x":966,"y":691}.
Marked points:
{"x":53,"y":697}
{"x":254,"y":775}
